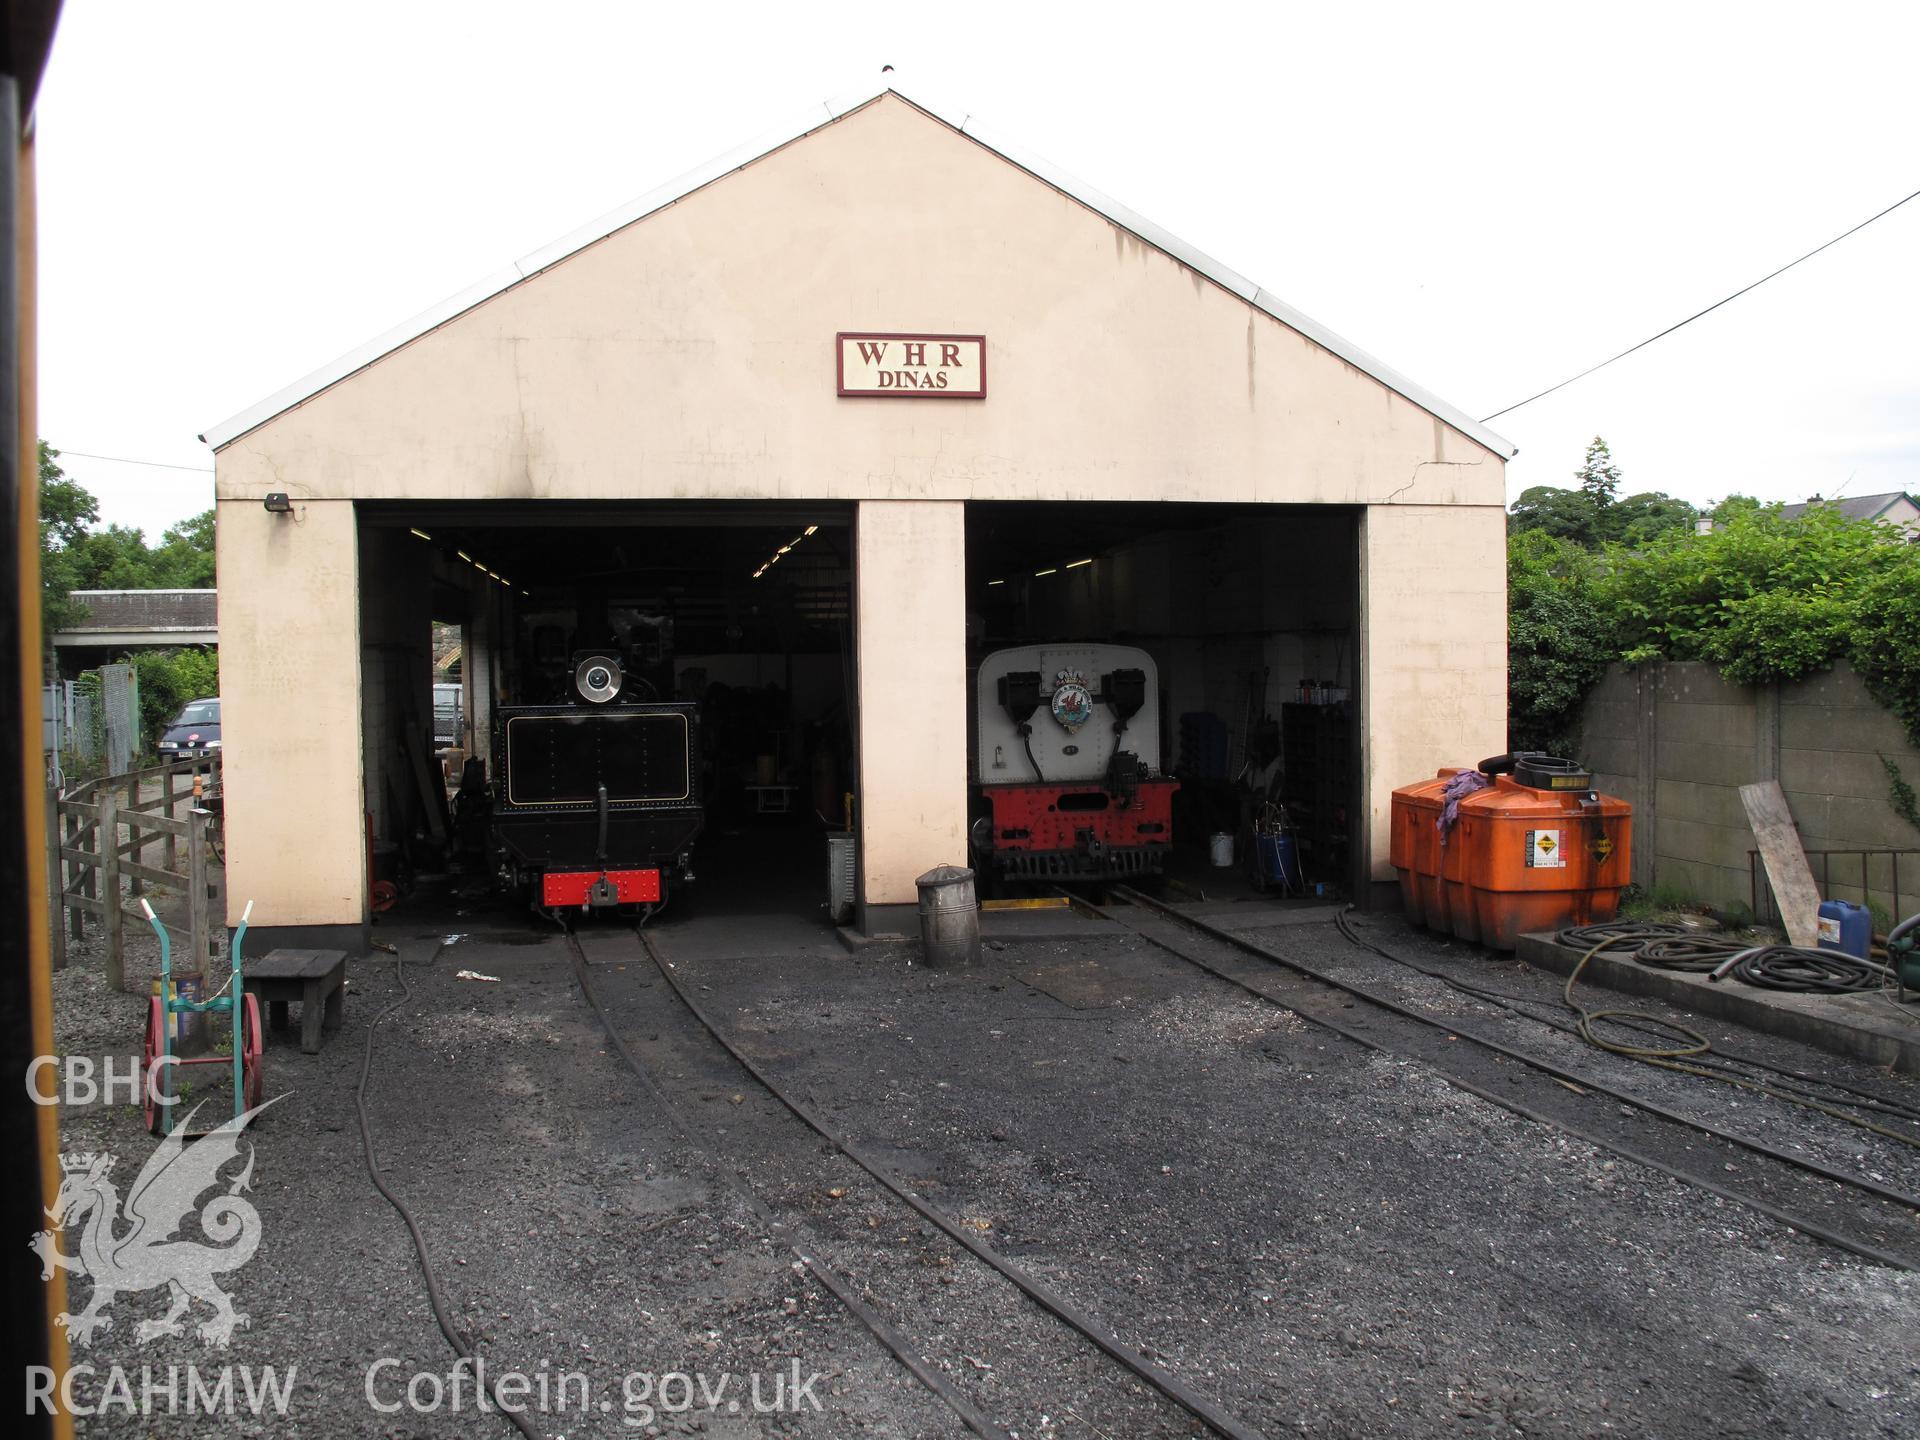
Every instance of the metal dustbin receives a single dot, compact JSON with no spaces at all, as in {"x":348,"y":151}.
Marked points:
{"x":949,"y":917}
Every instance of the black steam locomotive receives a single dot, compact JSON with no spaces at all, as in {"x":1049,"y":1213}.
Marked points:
{"x":596,"y":803}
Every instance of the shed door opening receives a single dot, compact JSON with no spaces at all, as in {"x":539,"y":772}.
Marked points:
{"x":729,"y":635}
{"x":1245,"y":616}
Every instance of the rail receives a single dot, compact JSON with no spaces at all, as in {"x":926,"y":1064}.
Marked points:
{"x":100,"y":838}
{"x":1592,"y":1117}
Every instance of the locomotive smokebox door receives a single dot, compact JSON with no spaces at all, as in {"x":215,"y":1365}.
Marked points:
{"x":597,"y":677}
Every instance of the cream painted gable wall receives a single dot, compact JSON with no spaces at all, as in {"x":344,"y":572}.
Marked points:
{"x":691,"y":355}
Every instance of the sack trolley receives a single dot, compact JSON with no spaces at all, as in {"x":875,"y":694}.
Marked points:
{"x":157,"y":1060}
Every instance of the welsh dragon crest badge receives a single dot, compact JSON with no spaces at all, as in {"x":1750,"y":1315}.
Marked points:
{"x":125,"y":1249}
{"x":1072,"y":703}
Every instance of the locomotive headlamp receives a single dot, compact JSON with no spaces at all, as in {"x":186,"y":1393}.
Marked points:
{"x":597,"y":678}
{"x":1020,"y":695}
{"x":1125,"y":691}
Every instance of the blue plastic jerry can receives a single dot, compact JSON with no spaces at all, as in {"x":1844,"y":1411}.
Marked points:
{"x":1845,"y":926}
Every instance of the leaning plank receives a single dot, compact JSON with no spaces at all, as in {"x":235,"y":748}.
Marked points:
{"x":1786,"y":861}
{"x":433,"y":790}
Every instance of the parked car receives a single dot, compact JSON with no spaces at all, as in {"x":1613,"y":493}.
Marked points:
{"x":194,"y":732}
{"x":448,"y":732}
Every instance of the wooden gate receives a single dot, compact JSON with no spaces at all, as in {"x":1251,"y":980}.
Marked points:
{"x":100,"y":838}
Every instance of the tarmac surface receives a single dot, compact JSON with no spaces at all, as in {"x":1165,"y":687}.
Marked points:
{"x":1322,"y":1240}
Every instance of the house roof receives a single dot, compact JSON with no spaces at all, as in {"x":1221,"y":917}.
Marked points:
{"x":1858,"y":507}
{"x":818,"y":117}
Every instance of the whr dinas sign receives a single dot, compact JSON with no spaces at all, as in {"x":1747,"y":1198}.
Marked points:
{"x":939,"y":367}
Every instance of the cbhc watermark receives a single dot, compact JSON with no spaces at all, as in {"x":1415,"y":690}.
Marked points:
{"x":82,"y":1082}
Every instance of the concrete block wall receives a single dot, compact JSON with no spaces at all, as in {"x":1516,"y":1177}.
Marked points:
{"x":1677,"y":741}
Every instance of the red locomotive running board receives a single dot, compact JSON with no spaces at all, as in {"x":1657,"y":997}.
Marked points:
{"x":573,"y":887}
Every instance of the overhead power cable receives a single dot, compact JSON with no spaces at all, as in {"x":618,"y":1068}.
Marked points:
{"x":1697,"y":314}
{"x":123,"y":460}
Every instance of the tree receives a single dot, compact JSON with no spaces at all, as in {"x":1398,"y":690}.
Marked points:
{"x":185,"y":557}
{"x":66,"y":510}
{"x":1599,"y":477}
{"x":1558,"y":638}
{"x":1592,"y":514}
{"x":1647,"y":516}
{"x":1563,"y":514}
{"x":115,"y":558}
{"x":76,"y":556}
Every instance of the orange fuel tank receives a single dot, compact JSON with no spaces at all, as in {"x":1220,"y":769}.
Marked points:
{"x":1537,"y":849}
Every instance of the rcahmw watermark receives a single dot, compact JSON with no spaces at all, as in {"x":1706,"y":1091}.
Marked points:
{"x":184,"y":1390}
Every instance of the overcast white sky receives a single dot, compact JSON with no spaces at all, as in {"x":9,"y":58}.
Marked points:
{"x":1487,"y":197}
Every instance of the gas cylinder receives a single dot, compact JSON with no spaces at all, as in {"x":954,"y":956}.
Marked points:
{"x":1536,"y":848}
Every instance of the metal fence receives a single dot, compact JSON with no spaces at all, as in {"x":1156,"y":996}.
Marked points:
{"x":1879,"y":879}
{"x":100,"y":837}
{"x":95,"y":719}
{"x":120,"y":717}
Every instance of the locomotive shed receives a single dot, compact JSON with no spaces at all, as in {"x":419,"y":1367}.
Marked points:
{"x":804,"y":483}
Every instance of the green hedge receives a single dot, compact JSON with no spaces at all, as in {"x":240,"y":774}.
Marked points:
{"x":1762,"y":597}
{"x":168,"y":680}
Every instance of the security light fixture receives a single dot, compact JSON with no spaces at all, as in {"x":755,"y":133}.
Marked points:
{"x":277,"y":503}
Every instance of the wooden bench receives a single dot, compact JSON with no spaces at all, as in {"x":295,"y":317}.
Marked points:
{"x":316,"y":978}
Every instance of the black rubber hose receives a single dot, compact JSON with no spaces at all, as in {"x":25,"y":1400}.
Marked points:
{"x":1616,"y":937}
{"x":1800,"y":970}
{"x":1506,"y":1102}
{"x":1692,"y":1058}
{"x":1659,"y":936}
{"x":435,"y":1296}
{"x":1026,"y":739}
{"x":1687,"y":954}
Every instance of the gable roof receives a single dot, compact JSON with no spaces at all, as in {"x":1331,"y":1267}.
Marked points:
{"x":818,"y":117}
{"x":1858,"y":507}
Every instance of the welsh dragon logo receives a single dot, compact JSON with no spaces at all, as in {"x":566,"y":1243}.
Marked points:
{"x":147,"y":1255}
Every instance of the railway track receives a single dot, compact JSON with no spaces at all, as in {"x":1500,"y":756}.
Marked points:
{"x":1174,"y":1407}
{"x":1852,"y":1212}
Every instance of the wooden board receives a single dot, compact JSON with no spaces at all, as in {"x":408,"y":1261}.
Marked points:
{"x":1786,"y":861}
{"x":433,"y":787}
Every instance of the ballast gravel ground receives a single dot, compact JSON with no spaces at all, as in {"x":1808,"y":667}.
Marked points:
{"x":1322,"y":1240}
